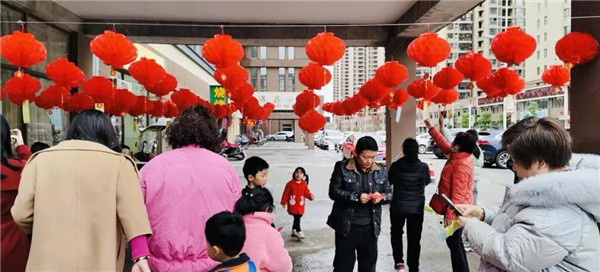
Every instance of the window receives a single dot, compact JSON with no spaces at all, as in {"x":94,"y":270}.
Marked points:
{"x":493,"y":1}
{"x":282,"y":79}
{"x":494,"y":11}
{"x":263,"y":52}
{"x":263,"y":78}
{"x":537,"y":38}
{"x":538,"y":54}
{"x":253,"y":77}
{"x":291,"y":86}
{"x":520,"y":2}
{"x":520,"y":22}
{"x":281,"y":53}
{"x":493,"y":31}
{"x":545,"y":36}
{"x":567,"y":14}
{"x":450,"y":35}
{"x":290,"y":50}
{"x":519,"y":11}
{"x":567,"y":29}
{"x":545,"y":3}
{"x":253,"y":52}
{"x":538,"y":71}
{"x":545,"y":20}
{"x":538,"y":22}
{"x":545,"y":53}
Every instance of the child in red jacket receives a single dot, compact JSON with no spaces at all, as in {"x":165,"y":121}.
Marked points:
{"x":294,"y":195}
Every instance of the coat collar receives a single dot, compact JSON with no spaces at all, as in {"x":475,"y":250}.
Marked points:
{"x":81,"y":145}
{"x":260,"y":216}
{"x":242,"y":259}
{"x":352,"y":166}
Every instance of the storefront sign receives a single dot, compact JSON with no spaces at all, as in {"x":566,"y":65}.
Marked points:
{"x":282,"y":100}
{"x":218,"y":95}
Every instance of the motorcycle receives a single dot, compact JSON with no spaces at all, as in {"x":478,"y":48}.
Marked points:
{"x":242,"y":140}
{"x":232,"y":151}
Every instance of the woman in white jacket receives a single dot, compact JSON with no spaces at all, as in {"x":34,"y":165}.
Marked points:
{"x":548,"y":221}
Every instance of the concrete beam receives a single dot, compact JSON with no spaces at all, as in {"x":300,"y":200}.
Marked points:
{"x":48,"y":11}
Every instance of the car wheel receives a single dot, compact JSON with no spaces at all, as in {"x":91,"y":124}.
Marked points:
{"x":272,"y":139}
{"x":502,"y":158}
{"x":422,"y":149}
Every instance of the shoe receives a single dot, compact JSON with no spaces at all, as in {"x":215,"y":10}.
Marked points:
{"x":294,"y":233}
{"x":400,"y":267}
{"x":300,"y":235}
{"x":467,"y":246}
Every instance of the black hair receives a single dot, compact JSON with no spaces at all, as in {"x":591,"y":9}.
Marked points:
{"x":93,"y":126}
{"x":227,"y":231}
{"x":38,"y":146}
{"x":410,"y":148}
{"x":195,"y":126}
{"x":303,"y":172}
{"x":476,"y":151}
{"x":125,"y":147}
{"x":465,"y":141}
{"x":6,"y":146}
{"x":366,"y":143}
{"x":253,"y":165}
{"x":257,"y":199}
{"x":473,"y":133}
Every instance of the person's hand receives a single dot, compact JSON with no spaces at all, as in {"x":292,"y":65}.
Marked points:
{"x":364,"y":198}
{"x":427,"y":123}
{"x":18,"y":136}
{"x":141,"y":266}
{"x":471,"y":211}
{"x":377,"y":198}
{"x":312,"y":197}
{"x":464,"y":220}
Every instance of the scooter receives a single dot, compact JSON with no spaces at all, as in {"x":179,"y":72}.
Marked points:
{"x":232,"y":151}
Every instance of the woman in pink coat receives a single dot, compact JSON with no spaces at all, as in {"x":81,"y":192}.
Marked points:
{"x":183,"y":188}
{"x":264,"y":244}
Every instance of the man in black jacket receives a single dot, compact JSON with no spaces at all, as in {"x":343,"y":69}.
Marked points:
{"x":358,"y":187}
{"x":409,"y":176}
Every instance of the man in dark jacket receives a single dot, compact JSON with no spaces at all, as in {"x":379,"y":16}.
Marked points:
{"x":358,"y":187}
{"x":409,"y":176}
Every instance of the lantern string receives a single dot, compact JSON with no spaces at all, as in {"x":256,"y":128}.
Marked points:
{"x":22,"y":25}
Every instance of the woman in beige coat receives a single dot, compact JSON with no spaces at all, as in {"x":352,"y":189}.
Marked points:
{"x":80,"y":200}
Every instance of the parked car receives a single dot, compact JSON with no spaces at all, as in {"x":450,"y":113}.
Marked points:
{"x":491,"y":145}
{"x":349,"y":144}
{"x":317,"y":137}
{"x":331,"y":139}
{"x":281,"y":136}
{"x":436,"y":150}
{"x":423,"y":140}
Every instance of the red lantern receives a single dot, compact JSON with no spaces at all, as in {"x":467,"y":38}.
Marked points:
{"x":473,"y":66}
{"x":147,"y":72}
{"x":326,"y":107}
{"x":123,"y":101}
{"x":576,"y":48}
{"x":421,"y":103}
{"x":163,"y":88}
{"x":22,"y":49}
{"x":172,"y":110}
{"x":184,"y":98}
{"x":231,"y":77}
{"x":267,"y":110}
{"x":41,"y":103}
{"x":241,"y":94}
{"x":143,"y":105}
{"x":312,"y":121}
{"x":395,"y":99}
{"x":557,"y":75}
{"x":160,"y":108}
{"x":79,"y":102}
{"x":55,"y":96}
{"x":22,"y":88}
{"x":314,"y":76}
{"x":391,"y":74}
{"x":113,"y":49}
{"x":325,"y":48}
{"x":446,"y":96}
{"x":373,"y":92}
{"x":305,"y":101}
{"x":428,"y":50}
{"x":222,"y":51}
{"x":513,"y":46}
{"x":97,"y":86}
{"x":422,"y":88}
{"x":65,"y":73}
{"x":508,"y":81}
{"x":447,"y":78}
{"x":487,"y":86}
{"x":2,"y":93}
{"x":354,"y":104}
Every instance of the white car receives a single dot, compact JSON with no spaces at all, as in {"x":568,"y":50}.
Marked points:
{"x":331,"y":139}
{"x":281,"y":136}
{"x":317,"y":137}
{"x":423,"y":140}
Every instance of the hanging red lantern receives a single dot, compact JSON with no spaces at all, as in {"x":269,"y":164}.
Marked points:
{"x":396,"y":99}
{"x":487,"y":86}
{"x":446,"y":96}
{"x":172,"y":110}
{"x":55,"y":96}
{"x":222,"y":51}
{"x":2,"y":93}
{"x":143,"y":105}
{"x":305,"y":101}
{"x":326,"y":107}
{"x":97,"y":86}
{"x":473,"y":66}
{"x":123,"y":102}
{"x":421,"y":104}
{"x":163,"y":88}
{"x":241,"y":94}
{"x":576,"y":48}
{"x":354,"y":104}
{"x":428,"y":50}
{"x":65,"y":73}
{"x":79,"y":102}
{"x":184,"y":98}
{"x":41,"y":103}
{"x":231,"y":77}
{"x":508,"y":81}
{"x":220,"y":111}
{"x":513,"y":46}
{"x":391,"y":74}
{"x":447,"y":78}
{"x":22,"y":88}
{"x":160,"y":108}
{"x":267,"y":110}
{"x":314,"y":76}
{"x":22,"y":49}
{"x":374,"y":92}
{"x":557,"y":75}
{"x":422,"y":88}
{"x":325,"y":48}
{"x":114,"y":49}
{"x":147,"y":72}
{"x":312,"y":121}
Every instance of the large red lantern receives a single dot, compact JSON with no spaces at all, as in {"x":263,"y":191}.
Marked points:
{"x":325,"y":48}
{"x":314,"y":76}
{"x":172,"y":110}
{"x":163,"y":88}
{"x":41,"y":103}
{"x":447,"y":78}
{"x":373,"y":92}
{"x":422,"y":88}
{"x":143,"y":105}
{"x":55,"y":96}
{"x":312,"y":121}
{"x":79,"y":102}
{"x":395,"y":99}
{"x":241,"y":94}
{"x":473,"y":66}
{"x":354,"y":104}
{"x":160,"y":108}
{"x":231,"y":77}
{"x":508,"y":81}
{"x":22,"y":49}
{"x":557,"y":75}
{"x":184,"y":98}
{"x":2,"y":93}
{"x":113,"y":49}
{"x":428,"y":50}
{"x":97,"y":86}
{"x":513,"y":46}
{"x":65,"y":73}
{"x":123,"y":102}
{"x":446,"y":96}
{"x":391,"y":74}
{"x":305,"y":101}
{"x":147,"y":72}
{"x":487,"y":86}
{"x":22,"y":88}
{"x":576,"y":48}
{"x":222,"y":51}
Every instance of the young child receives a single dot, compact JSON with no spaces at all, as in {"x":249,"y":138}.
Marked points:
{"x":225,"y":235}
{"x":263,"y":244}
{"x":294,"y":195}
{"x":256,"y":171}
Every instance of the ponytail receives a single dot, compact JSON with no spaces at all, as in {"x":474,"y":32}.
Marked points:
{"x":258,"y":199}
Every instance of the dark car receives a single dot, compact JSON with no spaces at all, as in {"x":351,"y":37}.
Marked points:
{"x":491,"y":145}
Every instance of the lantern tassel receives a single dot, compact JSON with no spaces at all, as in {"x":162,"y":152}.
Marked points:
{"x":398,"y":114}
{"x":26,"y":115}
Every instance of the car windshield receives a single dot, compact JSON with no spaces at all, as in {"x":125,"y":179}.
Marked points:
{"x":335,"y":133}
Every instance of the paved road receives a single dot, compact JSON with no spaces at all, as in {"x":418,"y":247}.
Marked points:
{"x":315,"y":253}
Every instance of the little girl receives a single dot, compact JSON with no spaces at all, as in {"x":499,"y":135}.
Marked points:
{"x":296,"y":191}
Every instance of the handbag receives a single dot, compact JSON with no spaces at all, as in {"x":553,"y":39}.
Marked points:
{"x":438,"y":204}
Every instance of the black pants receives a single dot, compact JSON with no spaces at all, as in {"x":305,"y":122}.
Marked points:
{"x":359,"y":243}
{"x":457,"y":252}
{"x":414,"y":227}
{"x":296,"y":225}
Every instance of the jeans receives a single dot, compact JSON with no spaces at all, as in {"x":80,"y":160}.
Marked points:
{"x":360,"y":243}
{"x":414,"y":227}
{"x":457,"y":252}
{"x":296,"y":225}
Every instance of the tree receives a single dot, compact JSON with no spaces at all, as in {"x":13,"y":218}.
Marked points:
{"x":464,"y":120}
{"x":485,"y":120}
{"x":533,"y":109}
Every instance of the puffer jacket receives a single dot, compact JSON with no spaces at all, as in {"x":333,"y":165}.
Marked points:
{"x":456,"y":181}
{"x":548,"y":222}
{"x":344,"y":190}
{"x":409,"y":179}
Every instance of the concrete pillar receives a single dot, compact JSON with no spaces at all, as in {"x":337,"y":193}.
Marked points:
{"x":396,"y":133}
{"x":585,"y":85}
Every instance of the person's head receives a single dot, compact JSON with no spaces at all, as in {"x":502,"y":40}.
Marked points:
{"x":473,"y":132}
{"x":6,"y":145}
{"x":93,"y":126}
{"x":256,"y":171}
{"x":515,"y":130}
{"x":225,"y":235}
{"x":410,"y":148}
{"x":258,"y":199}
{"x":125,"y":150}
{"x":196,"y":126}
{"x":463,"y":142}
{"x":542,"y":146}
{"x":38,"y":146}
{"x":300,"y":174}
{"x":366,"y":151}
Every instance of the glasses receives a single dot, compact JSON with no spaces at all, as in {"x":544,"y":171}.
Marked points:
{"x":509,"y":164}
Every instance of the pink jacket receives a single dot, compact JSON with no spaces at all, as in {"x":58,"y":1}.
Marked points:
{"x":182,"y":189}
{"x":264,"y":244}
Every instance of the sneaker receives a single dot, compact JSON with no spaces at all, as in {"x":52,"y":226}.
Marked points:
{"x":294,"y":233}
{"x":300,"y":235}
{"x":467,"y":246}
{"x":400,"y":267}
